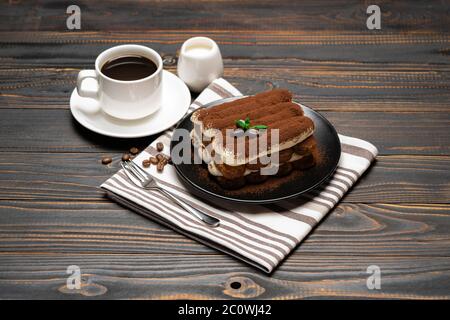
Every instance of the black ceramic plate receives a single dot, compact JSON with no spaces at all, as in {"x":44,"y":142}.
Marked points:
{"x":197,"y":179}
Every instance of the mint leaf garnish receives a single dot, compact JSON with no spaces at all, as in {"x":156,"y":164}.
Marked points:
{"x":245,"y":124}
{"x":259,"y":126}
{"x":241,"y":124}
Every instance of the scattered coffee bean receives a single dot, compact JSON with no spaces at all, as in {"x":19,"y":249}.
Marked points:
{"x":153,"y":160}
{"x":134,"y":150}
{"x":125,"y":157}
{"x":159,"y":146}
{"x":165,"y":160}
{"x":106,"y":160}
{"x":160,"y":167}
{"x":160,"y":157}
{"x":146,"y":163}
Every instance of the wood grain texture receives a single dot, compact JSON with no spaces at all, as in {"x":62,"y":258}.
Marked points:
{"x":76,"y":176}
{"x":357,"y":45}
{"x":193,"y":276}
{"x":120,"y":255}
{"x":104,"y":227}
{"x":55,"y":130}
{"x":326,"y":86}
{"x":229,"y":15}
{"x":389,"y":86}
{"x":338,"y":70}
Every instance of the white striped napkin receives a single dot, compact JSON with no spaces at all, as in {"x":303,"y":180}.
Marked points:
{"x":262,"y":235}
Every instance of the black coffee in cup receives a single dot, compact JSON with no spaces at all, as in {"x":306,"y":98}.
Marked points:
{"x":129,"y":68}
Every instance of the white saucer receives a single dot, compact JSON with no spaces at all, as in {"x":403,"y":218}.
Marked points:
{"x":176,"y":99}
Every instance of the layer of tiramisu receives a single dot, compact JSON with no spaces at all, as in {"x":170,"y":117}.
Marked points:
{"x":233,"y":166}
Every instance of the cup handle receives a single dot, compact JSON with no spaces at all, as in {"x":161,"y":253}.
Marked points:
{"x":90,"y":92}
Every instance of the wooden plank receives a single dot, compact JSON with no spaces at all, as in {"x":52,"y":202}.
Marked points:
{"x":230,"y":15}
{"x":413,"y":230}
{"x":81,"y":48}
{"x":54,"y":130}
{"x":329,"y":86}
{"x":57,"y":131}
{"x":28,"y":276}
{"x":76,"y":176}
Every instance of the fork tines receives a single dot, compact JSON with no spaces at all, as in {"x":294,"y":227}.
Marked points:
{"x":136,"y":171}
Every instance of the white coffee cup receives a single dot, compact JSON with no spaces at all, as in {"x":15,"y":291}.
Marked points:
{"x":126,"y":100}
{"x":199,"y":63}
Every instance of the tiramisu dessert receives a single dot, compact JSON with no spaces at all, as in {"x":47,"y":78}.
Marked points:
{"x":249,"y":120}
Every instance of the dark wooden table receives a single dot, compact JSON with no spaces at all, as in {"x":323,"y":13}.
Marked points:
{"x":389,"y":86}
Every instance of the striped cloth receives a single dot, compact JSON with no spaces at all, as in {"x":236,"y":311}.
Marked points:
{"x":261,"y":235}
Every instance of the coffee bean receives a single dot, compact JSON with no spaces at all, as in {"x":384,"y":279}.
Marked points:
{"x":106,"y":160}
{"x":146,"y":163}
{"x":160,"y":167}
{"x":160,"y":157}
{"x":165,"y":160}
{"x":125,"y":157}
{"x":153,"y":160}
{"x":159,"y":146}
{"x":134,"y":150}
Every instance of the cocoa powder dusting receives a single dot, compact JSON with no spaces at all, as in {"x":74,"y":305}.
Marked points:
{"x":263,"y":98}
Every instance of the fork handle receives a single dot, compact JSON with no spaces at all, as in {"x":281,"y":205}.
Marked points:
{"x":211,"y":221}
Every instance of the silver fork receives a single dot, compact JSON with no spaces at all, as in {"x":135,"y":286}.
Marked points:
{"x":147,"y":182}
